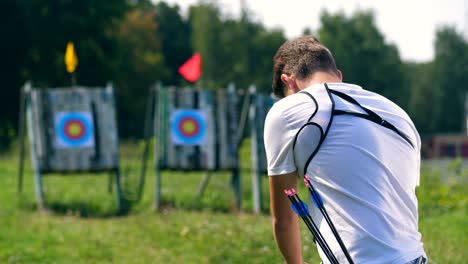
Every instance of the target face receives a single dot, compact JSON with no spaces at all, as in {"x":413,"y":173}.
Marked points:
{"x":74,"y":130}
{"x":188,"y":127}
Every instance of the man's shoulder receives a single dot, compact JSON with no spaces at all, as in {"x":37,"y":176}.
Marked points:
{"x":287,"y":102}
{"x":291,"y":112}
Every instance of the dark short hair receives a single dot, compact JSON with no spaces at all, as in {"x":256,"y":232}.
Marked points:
{"x":302,"y":57}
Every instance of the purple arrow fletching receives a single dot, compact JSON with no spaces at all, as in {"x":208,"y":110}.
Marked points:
{"x":306,"y":181}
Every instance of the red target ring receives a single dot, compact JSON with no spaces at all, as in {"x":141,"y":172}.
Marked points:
{"x":188,"y":127}
{"x":74,"y":129}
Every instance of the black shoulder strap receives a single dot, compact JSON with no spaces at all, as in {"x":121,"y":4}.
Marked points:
{"x":371,"y":115}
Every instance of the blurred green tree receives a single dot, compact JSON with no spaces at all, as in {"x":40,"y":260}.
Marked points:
{"x":233,"y":50}
{"x":175,"y":36}
{"x":264,"y":46}
{"x":36,"y":33}
{"x":137,"y":42}
{"x":248,"y":52}
{"x":14,"y":48}
{"x":205,"y":21}
{"x":140,"y":63}
{"x":363,"y":55}
{"x":424,"y":106}
{"x":451,"y":77}
{"x":91,"y":25}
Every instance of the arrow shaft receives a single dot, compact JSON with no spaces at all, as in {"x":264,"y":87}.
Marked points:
{"x":304,"y":214}
{"x":319,"y":202}
{"x":319,"y":237}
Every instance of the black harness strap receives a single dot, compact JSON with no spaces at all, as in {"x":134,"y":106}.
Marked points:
{"x":371,"y":115}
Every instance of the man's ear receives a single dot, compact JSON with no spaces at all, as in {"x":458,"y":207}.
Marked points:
{"x":285,"y":79}
{"x":340,"y":75}
{"x":290,"y":82}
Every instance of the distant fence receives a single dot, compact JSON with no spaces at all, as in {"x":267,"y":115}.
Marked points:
{"x":70,"y":130}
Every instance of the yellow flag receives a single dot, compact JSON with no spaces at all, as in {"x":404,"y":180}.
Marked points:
{"x":71,"y":60}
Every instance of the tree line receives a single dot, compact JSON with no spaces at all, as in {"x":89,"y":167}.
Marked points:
{"x":135,"y":43}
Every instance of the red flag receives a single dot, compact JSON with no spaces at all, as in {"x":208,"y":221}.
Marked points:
{"x":191,"y":69}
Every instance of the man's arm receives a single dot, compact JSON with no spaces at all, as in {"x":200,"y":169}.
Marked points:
{"x":284,"y":220}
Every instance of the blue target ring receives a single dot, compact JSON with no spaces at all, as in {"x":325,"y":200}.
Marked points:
{"x":78,"y":120}
{"x":188,"y":127}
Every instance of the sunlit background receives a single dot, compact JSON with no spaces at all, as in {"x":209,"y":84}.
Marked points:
{"x":413,"y":52}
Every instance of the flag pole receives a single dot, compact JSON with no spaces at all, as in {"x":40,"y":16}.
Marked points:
{"x":73,"y":79}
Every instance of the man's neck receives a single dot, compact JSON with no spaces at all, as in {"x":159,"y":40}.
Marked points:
{"x":319,"y":77}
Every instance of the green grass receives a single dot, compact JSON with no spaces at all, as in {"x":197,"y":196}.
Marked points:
{"x":81,"y":225}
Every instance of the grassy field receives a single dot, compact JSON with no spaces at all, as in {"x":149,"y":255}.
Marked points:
{"x":81,"y":225}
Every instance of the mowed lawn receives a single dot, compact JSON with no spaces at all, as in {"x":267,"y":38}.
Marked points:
{"x":81,"y":226}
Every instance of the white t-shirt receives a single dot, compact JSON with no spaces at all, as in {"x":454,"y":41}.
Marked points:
{"x":365,"y":173}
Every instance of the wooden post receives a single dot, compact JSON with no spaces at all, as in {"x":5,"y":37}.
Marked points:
{"x":33,"y":150}
{"x":119,"y":195}
{"x":23,"y":96}
{"x":235,"y":143}
{"x":244,"y":114}
{"x":147,"y":137}
{"x":157,"y":189}
{"x":203,"y":184}
{"x":73,"y":79}
{"x":236,"y":184}
{"x":256,"y":170}
{"x":110,"y":179}
{"x":157,"y":124}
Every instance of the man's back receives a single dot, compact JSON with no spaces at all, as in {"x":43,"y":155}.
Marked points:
{"x":366,"y":173}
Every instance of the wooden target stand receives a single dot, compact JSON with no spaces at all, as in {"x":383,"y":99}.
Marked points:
{"x":96,"y":152}
{"x":218,"y":151}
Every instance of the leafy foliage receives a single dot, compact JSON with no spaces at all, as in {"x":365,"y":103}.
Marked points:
{"x":175,"y":35}
{"x":439,"y":87}
{"x":140,"y":63}
{"x":424,"y":103}
{"x":451,"y":75}
{"x":135,"y":43}
{"x":362,"y":54}
{"x":444,"y":189}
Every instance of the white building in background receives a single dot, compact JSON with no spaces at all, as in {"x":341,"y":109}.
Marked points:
{"x":466,"y":19}
{"x":466,"y":113}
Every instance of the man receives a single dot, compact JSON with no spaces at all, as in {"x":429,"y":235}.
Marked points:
{"x":360,"y":150}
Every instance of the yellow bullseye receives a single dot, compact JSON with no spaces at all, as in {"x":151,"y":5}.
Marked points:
{"x":189,"y":127}
{"x":74,"y":129}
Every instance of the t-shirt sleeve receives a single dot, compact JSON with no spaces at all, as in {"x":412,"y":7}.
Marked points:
{"x":278,"y":139}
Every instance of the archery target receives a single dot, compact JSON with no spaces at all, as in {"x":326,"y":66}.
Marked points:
{"x":74,"y":130}
{"x":188,"y":127}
